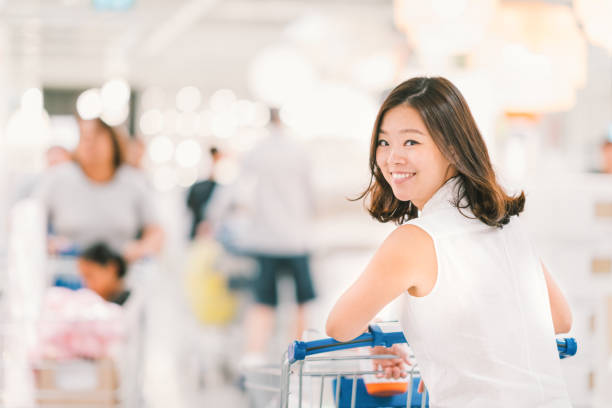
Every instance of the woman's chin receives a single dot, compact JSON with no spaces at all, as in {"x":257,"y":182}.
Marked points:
{"x":401,"y":195}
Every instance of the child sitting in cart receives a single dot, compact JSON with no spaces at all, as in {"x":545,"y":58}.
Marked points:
{"x":480,"y":310}
{"x":103,"y":270}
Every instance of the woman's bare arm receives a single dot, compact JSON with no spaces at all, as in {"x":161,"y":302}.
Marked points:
{"x":395,"y":268}
{"x":150,"y":244}
{"x":561,"y":313}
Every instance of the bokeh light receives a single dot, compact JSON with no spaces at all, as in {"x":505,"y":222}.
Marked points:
{"x":224,"y":125}
{"x":245,"y":112}
{"x":116,"y":116}
{"x":32,"y":100}
{"x":188,"y":153}
{"x":115,"y":93}
{"x":89,"y":104}
{"x":261,"y":115}
{"x":170,"y":117}
{"x":222,"y":100}
{"x":188,"y":99}
{"x":160,"y":149}
{"x":187,"y":123}
{"x":151,"y":122}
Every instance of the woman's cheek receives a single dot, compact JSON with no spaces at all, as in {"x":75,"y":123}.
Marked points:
{"x":381,"y":159}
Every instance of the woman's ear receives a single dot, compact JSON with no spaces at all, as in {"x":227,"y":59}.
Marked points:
{"x":451,"y":171}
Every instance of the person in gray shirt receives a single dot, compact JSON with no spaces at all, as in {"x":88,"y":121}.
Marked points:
{"x":97,"y":198}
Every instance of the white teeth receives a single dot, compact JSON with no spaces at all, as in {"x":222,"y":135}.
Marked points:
{"x":402,"y":175}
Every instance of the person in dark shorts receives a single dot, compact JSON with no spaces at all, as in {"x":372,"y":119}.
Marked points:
{"x":281,"y":216}
{"x":271,"y":267}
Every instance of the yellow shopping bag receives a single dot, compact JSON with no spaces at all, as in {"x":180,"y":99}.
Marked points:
{"x":207,"y":289}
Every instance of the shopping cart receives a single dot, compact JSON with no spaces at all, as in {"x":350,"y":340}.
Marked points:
{"x":85,"y":376}
{"x":324,"y":364}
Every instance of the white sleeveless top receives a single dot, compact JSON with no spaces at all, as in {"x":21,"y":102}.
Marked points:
{"x":483,"y":337}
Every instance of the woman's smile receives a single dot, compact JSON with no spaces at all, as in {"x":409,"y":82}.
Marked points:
{"x":399,"y":177}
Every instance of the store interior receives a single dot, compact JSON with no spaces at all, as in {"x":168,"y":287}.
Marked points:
{"x":191,"y":90}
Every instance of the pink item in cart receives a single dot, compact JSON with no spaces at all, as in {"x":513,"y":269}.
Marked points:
{"x":78,"y":324}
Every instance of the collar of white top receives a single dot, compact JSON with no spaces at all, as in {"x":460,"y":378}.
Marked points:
{"x":443,"y":198}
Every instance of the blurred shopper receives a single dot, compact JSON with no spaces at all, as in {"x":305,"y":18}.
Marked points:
{"x":282,"y":210}
{"x":57,"y":155}
{"x":480,"y":310}
{"x":606,"y":156}
{"x":200,"y":193}
{"x":134,"y":152}
{"x":97,"y":198}
{"x":103,"y":271}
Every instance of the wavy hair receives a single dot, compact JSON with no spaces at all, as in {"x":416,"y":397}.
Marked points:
{"x":453,"y":129}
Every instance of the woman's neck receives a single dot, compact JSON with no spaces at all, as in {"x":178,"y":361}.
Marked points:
{"x":98,"y":172}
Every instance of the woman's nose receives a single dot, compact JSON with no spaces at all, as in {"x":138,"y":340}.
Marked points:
{"x":395,"y":157}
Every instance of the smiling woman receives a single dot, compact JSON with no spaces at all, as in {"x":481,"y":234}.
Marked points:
{"x":408,"y":158}
{"x":431,"y":116}
{"x":473,"y":286}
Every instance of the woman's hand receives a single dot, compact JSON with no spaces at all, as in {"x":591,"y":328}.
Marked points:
{"x":133,"y":251}
{"x":150,"y":244}
{"x":391,"y":367}
{"x":57,"y":244}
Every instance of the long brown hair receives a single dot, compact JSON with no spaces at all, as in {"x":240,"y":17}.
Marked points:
{"x":454,"y":131}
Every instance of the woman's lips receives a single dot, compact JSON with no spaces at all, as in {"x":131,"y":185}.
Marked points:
{"x":400,"y":177}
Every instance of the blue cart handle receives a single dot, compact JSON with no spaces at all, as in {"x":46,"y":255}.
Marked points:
{"x":298,"y":350}
{"x":567,"y":347}
{"x":375,"y":336}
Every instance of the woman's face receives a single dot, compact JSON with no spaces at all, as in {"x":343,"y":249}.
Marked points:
{"x":95,"y":144}
{"x":409,"y":159}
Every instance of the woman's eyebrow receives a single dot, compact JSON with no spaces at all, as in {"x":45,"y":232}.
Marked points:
{"x":408,"y":130}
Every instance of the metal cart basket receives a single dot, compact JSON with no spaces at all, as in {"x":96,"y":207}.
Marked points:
{"x":328,"y":373}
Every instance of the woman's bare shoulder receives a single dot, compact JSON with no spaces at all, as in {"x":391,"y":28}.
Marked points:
{"x":412,"y":235}
{"x":414,"y":252}
{"x":410,"y":244}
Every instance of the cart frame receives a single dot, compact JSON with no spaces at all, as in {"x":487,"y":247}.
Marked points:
{"x":300,"y":352}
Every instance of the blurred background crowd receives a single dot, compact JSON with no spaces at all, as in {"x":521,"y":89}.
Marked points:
{"x":176,"y":176}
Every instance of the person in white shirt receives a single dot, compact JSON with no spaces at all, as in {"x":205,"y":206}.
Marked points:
{"x":281,"y":211}
{"x":480,"y":309}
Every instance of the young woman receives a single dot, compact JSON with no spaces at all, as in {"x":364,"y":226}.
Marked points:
{"x":480,"y":310}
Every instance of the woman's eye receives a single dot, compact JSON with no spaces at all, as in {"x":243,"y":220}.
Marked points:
{"x":382,"y":142}
{"x":411,"y":142}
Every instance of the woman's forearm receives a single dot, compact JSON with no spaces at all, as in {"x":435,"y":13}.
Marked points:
{"x":150,"y":244}
{"x":152,"y":240}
